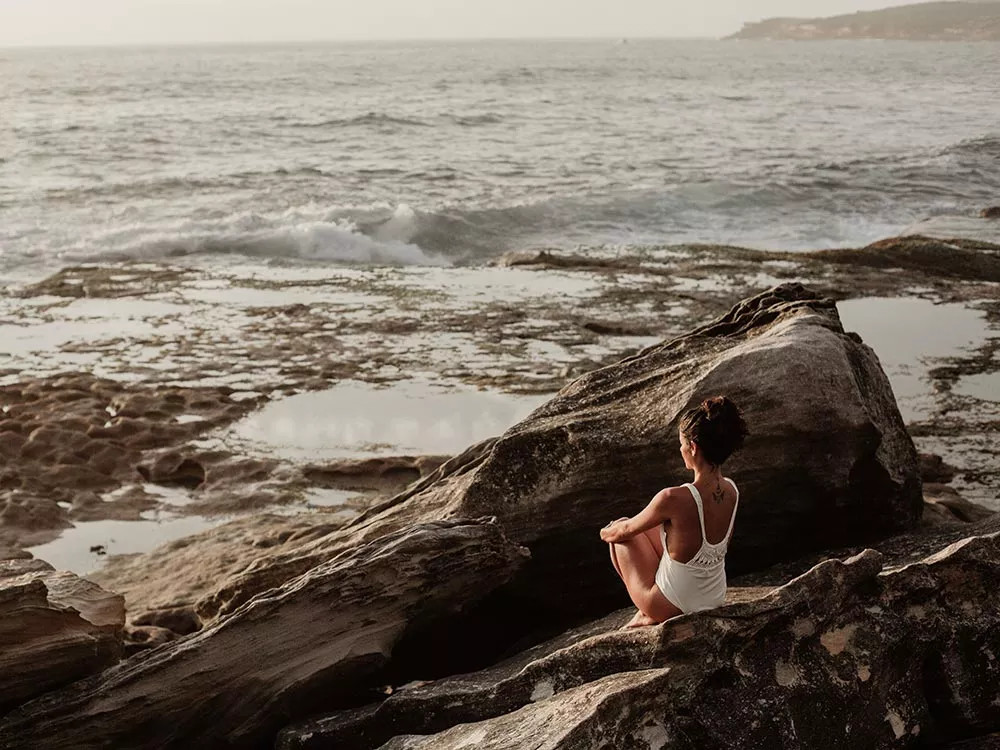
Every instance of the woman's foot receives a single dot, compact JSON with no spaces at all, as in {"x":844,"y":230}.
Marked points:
{"x":640,"y":621}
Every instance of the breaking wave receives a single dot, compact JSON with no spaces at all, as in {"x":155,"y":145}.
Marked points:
{"x":291,"y":235}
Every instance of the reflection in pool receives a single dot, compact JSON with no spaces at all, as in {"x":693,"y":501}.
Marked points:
{"x":906,"y":332}
{"x":357,"y":419}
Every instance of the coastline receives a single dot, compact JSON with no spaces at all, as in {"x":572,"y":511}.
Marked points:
{"x":253,"y":341}
{"x":272,"y":408}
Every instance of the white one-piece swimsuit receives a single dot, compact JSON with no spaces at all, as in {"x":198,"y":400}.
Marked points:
{"x":700,"y":583}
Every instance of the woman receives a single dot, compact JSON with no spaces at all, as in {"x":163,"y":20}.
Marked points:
{"x":672,"y":555}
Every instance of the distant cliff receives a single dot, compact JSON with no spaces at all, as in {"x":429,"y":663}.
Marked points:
{"x":940,"y":21}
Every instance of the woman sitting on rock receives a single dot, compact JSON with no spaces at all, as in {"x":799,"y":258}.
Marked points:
{"x":672,"y":555}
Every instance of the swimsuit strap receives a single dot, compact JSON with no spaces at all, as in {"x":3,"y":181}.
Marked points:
{"x":701,"y":511}
{"x":736,"y":505}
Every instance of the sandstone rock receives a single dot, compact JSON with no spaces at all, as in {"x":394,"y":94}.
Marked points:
{"x":320,"y":639}
{"x":605,"y":328}
{"x":173,"y":468}
{"x":54,"y":628}
{"x":845,"y":656}
{"x":29,"y":518}
{"x":829,"y":462}
{"x":180,"y":572}
{"x":934,"y":470}
{"x":66,"y":436}
{"x":942,"y":504}
{"x":144,"y":637}
{"x":180,"y":620}
{"x":392,"y":473}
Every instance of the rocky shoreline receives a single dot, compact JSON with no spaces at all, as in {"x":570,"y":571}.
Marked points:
{"x":377,"y":591}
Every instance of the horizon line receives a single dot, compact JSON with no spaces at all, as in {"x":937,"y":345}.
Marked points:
{"x":353,"y":40}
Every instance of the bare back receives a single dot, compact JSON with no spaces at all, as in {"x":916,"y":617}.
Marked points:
{"x":683,"y":530}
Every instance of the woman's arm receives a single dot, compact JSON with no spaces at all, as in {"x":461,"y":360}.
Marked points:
{"x":651,"y":516}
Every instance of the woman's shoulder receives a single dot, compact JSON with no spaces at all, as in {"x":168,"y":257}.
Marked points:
{"x":680,"y":492}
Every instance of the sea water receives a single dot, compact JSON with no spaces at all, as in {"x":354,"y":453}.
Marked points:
{"x":454,"y":152}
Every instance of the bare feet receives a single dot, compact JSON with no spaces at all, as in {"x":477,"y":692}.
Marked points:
{"x":640,"y":621}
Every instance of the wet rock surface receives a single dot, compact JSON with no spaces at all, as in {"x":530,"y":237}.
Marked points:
{"x":322,"y":639}
{"x":55,"y":628}
{"x":68,"y":440}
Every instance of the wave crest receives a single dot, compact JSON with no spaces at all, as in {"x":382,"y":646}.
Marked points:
{"x":291,"y":235}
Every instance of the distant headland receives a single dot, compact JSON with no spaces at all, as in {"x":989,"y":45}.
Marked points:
{"x":935,"y":21}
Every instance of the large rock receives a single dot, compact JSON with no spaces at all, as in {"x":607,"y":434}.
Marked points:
{"x":54,"y":629}
{"x":850,"y":654}
{"x":319,"y":640}
{"x":829,"y":462}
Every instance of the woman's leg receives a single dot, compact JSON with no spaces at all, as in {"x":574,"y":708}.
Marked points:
{"x":636,"y":562}
{"x":653,"y":535}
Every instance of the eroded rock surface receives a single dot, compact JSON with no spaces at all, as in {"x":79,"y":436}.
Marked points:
{"x":319,"y":640}
{"x":54,"y":628}
{"x":853,"y":653}
{"x":829,"y":462}
{"x":171,"y":578}
{"x":68,"y":440}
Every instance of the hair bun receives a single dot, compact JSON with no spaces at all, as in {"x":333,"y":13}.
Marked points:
{"x":717,"y":426}
{"x":716,"y":407}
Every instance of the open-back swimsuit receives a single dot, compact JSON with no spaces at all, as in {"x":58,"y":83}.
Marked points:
{"x":700,"y":583}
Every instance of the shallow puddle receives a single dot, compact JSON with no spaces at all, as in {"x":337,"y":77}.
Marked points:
{"x":908,"y":335}
{"x":471,"y":286}
{"x":79,"y":548}
{"x":356,"y":419}
{"x":324,"y":497}
{"x":985,"y":386}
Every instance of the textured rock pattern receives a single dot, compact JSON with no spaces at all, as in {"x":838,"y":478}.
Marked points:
{"x":54,"y":628}
{"x":848,"y":655}
{"x":72,"y":438}
{"x":318,"y":640}
{"x":829,"y":462}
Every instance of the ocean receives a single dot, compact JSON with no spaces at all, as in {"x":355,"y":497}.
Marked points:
{"x":456,"y":152}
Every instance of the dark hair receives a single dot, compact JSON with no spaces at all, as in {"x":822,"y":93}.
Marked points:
{"x":717,"y":427}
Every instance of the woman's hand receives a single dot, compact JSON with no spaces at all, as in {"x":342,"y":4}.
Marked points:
{"x":615,"y":532}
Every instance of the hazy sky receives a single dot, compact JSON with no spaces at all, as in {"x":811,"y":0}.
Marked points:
{"x":56,"y":22}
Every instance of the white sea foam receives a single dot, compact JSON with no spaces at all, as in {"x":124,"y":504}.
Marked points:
{"x":288,"y":235}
